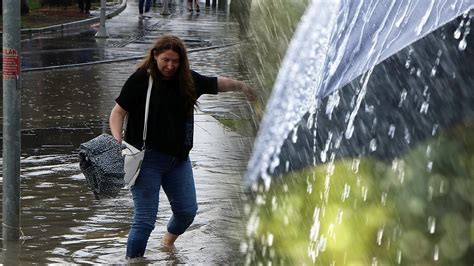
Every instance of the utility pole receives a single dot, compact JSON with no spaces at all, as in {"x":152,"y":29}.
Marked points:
{"x":165,"y":11}
{"x":102,"y":33}
{"x":11,"y":121}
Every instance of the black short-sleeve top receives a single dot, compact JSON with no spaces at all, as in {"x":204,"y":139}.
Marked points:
{"x":169,"y":128}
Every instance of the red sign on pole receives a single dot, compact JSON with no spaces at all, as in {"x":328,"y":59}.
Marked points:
{"x":11,"y":64}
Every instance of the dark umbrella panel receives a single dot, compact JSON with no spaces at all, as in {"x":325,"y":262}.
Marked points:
{"x":101,"y":162}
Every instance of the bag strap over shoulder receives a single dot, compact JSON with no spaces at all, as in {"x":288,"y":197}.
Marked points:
{"x":148,"y":94}
{"x":147,"y":107}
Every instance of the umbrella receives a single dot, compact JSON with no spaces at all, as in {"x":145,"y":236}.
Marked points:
{"x":101,"y":162}
{"x":338,"y":40}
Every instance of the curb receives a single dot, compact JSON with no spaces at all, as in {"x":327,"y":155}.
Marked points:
{"x":74,"y":24}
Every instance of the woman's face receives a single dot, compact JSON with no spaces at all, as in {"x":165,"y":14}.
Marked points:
{"x":167,"y":62}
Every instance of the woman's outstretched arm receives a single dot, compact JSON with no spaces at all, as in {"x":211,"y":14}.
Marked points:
{"x":227,"y":84}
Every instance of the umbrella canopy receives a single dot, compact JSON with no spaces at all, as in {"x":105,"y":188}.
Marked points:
{"x":101,"y":162}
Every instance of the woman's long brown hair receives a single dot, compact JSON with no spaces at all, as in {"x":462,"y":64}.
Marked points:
{"x":186,"y":84}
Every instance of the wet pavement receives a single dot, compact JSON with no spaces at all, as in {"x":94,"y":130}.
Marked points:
{"x":129,"y":36}
{"x":64,"y":106}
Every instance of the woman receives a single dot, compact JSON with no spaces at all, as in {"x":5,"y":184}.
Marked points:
{"x":169,"y":137}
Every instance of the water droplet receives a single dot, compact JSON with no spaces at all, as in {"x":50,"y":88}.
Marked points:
{"x":346,"y":192}
{"x":391,"y":131}
{"x":462,"y":44}
{"x":270,"y":239}
{"x":274,"y":203}
{"x":294,"y":137}
{"x":418,"y":72}
{"x":408,"y":63}
{"x":310,"y":122}
{"x":379,"y":236}
{"x":403,"y":97}
{"x":424,"y":107}
{"x":355,"y":165}
{"x":457,"y":33}
{"x":430,"y":193}
{"x":322,"y":244}
{"x":431,"y":224}
{"x":260,"y":200}
{"x":399,"y":256}
{"x":442,"y":187}
{"x":331,"y":231}
{"x":340,"y":214}
{"x":407,"y":136}
{"x":267,"y":182}
{"x":333,"y":102}
{"x":373,"y":145}
{"x":383,"y":198}
{"x":349,"y":131}
{"x":429,"y":166}
{"x":436,"y":253}
{"x":374,"y":261}
{"x":243,"y":247}
{"x":435,"y":129}
{"x":425,"y":91}
{"x":365,"y":192}
{"x":369,"y":109}
{"x":309,"y":186}
{"x":337,"y":144}
{"x":326,"y":148}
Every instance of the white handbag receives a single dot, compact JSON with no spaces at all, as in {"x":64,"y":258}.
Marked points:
{"x":133,"y":157}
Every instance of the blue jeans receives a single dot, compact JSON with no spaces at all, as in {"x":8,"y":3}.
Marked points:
{"x":176,"y":178}
{"x":146,"y":3}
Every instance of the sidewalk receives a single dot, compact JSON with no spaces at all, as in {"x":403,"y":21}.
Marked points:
{"x":74,"y":44}
{"x":51,"y":19}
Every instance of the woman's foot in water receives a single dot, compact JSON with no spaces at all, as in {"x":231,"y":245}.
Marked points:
{"x":168,"y":242}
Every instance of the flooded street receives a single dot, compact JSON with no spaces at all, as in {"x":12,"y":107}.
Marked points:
{"x":61,"y":222}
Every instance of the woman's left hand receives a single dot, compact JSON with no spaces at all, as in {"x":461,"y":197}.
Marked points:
{"x":249,"y":92}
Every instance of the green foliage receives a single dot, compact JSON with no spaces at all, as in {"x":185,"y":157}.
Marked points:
{"x":241,"y":126}
{"x":272,"y":24}
{"x":418,"y":210}
{"x":34,"y":4}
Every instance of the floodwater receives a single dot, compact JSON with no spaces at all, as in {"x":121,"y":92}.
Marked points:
{"x":61,"y":222}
